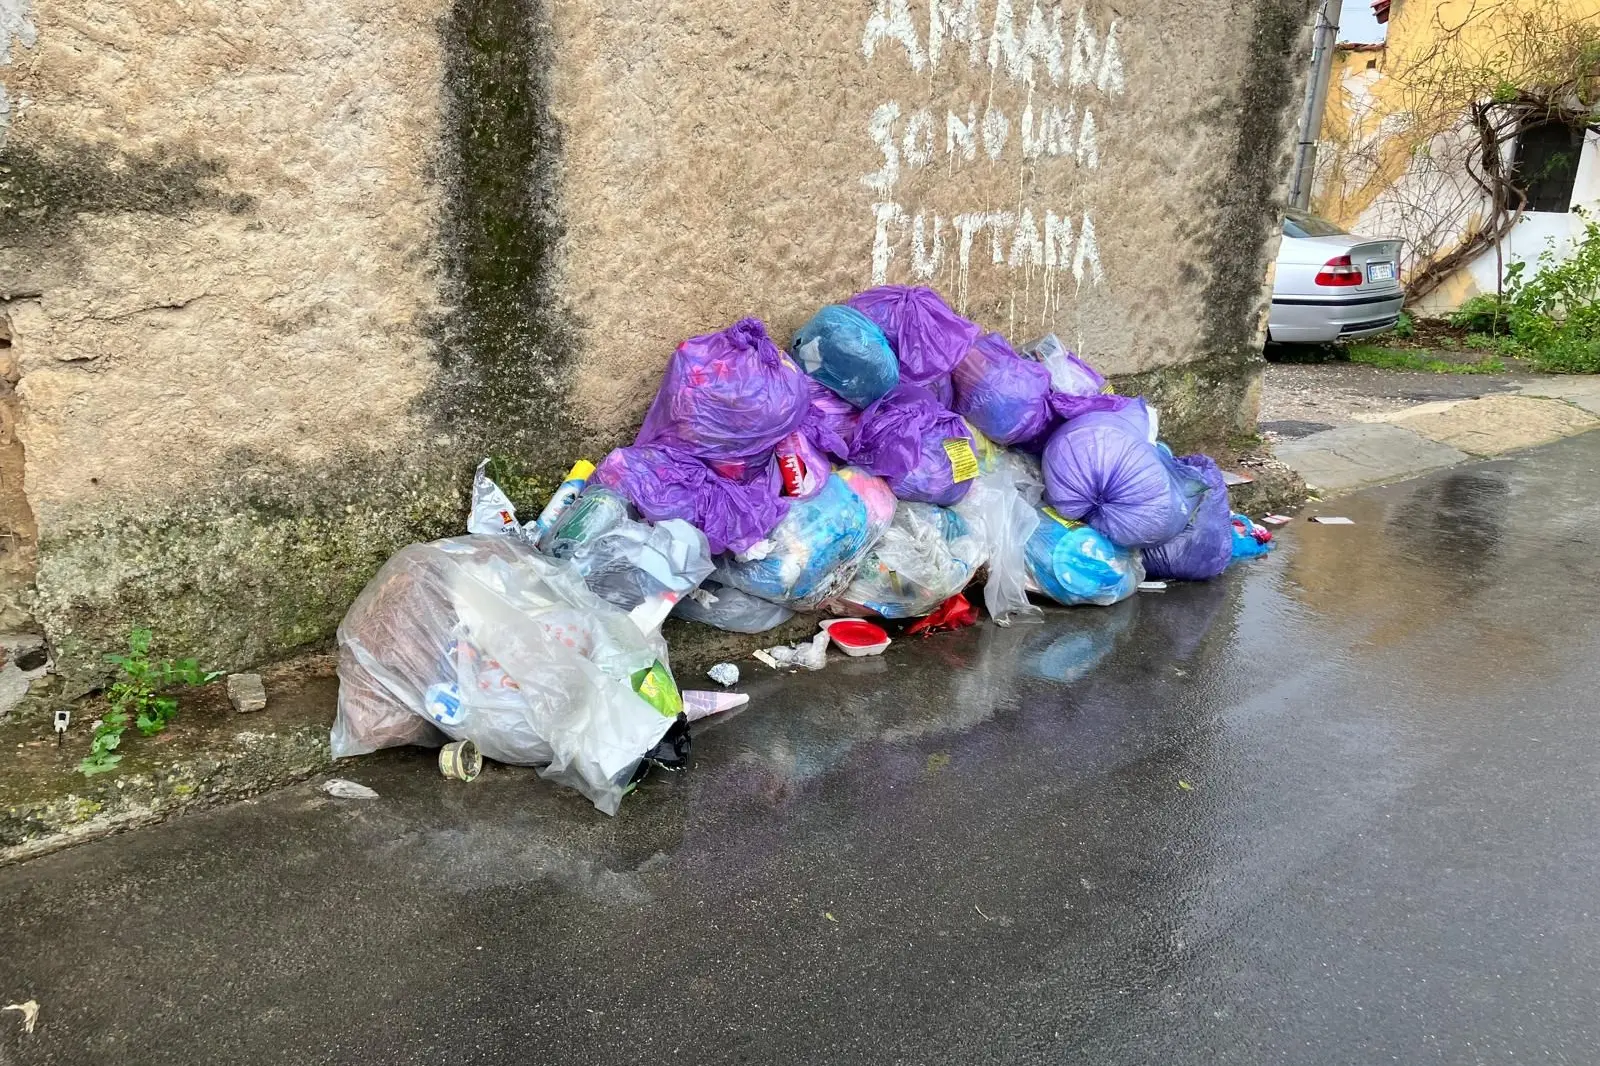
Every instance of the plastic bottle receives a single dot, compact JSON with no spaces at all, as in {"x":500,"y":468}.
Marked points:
{"x":564,"y":497}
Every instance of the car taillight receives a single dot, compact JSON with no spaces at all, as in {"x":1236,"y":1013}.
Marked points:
{"x":1338,"y":271}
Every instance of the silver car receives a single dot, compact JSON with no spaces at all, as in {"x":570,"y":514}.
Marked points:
{"x":1332,"y":285}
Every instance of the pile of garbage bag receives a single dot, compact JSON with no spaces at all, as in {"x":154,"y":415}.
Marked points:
{"x":896,"y":454}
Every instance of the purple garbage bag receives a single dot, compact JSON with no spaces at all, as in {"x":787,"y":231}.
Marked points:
{"x":1205,"y":547}
{"x":922,"y":449}
{"x":727,"y":398}
{"x":1101,"y":468}
{"x":666,"y":483}
{"x":1067,"y":406}
{"x":830,"y":422}
{"x":1004,"y":395}
{"x":928,"y":338}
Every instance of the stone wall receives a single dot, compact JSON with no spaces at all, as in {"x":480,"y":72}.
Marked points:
{"x":274,"y":275}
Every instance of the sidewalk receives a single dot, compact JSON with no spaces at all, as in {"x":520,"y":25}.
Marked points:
{"x":1344,"y":427}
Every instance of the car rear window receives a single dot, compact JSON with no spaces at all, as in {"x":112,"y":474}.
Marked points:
{"x":1300,"y":224}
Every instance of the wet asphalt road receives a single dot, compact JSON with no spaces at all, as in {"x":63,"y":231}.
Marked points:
{"x":978,"y":850}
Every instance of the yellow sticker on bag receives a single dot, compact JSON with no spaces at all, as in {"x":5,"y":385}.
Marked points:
{"x":1053,"y":513}
{"x":963,"y":461}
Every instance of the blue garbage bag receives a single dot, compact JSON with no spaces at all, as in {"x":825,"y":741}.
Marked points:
{"x":1245,"y":545}
{"x":812,"y":553}
{"x":1074,"y":564}
{"x":846,"y":351}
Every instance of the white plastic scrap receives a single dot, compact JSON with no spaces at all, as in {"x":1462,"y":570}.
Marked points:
{"x":30,"y":1013}
{"x":492,"y":510}
{"x":812,"y":654}
{"x":724,"y":674}
{"x":347,"y":790}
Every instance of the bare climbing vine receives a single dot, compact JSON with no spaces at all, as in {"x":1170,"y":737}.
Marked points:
{"x":1439,"y":168}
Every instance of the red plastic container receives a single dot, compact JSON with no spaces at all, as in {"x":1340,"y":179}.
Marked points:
{"x":855,"y":637}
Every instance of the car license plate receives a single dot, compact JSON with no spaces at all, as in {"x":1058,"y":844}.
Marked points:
{"x":1380,"y":271}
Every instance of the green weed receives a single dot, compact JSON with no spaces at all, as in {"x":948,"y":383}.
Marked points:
{"x":1551,"y":318}
{"x":1393,"y":359}
{"x":137,"y":697}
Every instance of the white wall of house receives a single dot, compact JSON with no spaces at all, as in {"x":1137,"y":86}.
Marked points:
{"x":1533,"y":234}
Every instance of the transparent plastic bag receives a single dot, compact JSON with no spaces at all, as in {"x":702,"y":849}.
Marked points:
{"x":814,"y":551}
{"x":483,"y":639}
{"x":645,"y":569}
{"x":1069,"y":374}
{"x":715,"y":604}
{"x":597,"y":511}
{"x":1073,"y":564}
{"x":927,"y":555}
{"x":1002,"y":519}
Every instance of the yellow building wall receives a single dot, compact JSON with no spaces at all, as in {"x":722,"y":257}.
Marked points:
{"x":1373,"y":165}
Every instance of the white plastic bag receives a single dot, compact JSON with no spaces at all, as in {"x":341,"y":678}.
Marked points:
{"x":809,"y":654}
{"x":481,"y":638}
{"x":492,"y":510}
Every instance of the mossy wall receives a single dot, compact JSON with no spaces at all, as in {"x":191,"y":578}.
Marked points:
{"x":271,"y":309}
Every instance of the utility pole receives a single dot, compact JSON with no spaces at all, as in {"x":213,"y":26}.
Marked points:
{"x":1324,"y":38}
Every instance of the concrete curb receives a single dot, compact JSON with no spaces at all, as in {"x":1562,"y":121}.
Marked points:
{"x":1396,"y":445}
{"x":1352,"y":457}
{"x":97,"y":807}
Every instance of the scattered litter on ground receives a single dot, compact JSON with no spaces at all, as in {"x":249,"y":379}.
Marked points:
{"x":724,"y":674}
{"x":761,"y":656}
{"x":29,"y":1011}
{"x":1152,"y":586}
{"x":348,"y":790}
{"x":1230,"y":478}
{"x":1329,"y":520}
{"x":1277,"y":519}
{"x":247,"y":693}
{"x":492,"y":512}
{"x":461,"y":760}
{"x":808,"y":654}
{"x":698,"y":703}
{"x":1250,"y":539}
{"x":1185,"y":786}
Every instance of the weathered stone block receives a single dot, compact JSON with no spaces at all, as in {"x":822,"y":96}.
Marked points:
{"x":247,"y":693}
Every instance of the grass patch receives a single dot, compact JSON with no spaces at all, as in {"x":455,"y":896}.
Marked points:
{"x":1394,"y":359}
